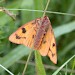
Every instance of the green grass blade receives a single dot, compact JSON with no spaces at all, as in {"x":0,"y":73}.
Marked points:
{"x":39,"y":65}
{"x":57,"y":71}
{"x":73,"y":66}
{"x":64,"y":29}
{"x":13,"y":56}
{"x":6,"y":70}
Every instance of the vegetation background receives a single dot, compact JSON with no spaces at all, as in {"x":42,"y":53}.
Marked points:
{"x":14,"y":56}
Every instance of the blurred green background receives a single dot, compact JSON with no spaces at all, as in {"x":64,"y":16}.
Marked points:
{"x":12,"y":56}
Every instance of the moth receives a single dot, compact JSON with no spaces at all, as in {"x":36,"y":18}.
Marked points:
{"x":39,"y":35}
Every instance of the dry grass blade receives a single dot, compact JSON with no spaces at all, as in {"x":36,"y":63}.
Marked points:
{"x":13,"y":16}
{"x":47,"y":66}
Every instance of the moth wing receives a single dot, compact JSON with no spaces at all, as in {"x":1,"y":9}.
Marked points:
{"x":48,"y":46}
{"x":52,"y":48}
{"x":43,"y":49}
{"x":24,"y":35}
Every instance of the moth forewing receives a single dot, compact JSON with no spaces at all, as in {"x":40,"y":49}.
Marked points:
{"x":52,"y":49}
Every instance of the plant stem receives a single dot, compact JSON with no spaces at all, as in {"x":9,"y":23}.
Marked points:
{"x":27,"y":63}
{"x":46,"y":8}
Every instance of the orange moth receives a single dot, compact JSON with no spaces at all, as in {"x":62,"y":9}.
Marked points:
{"x":39,"y":35}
